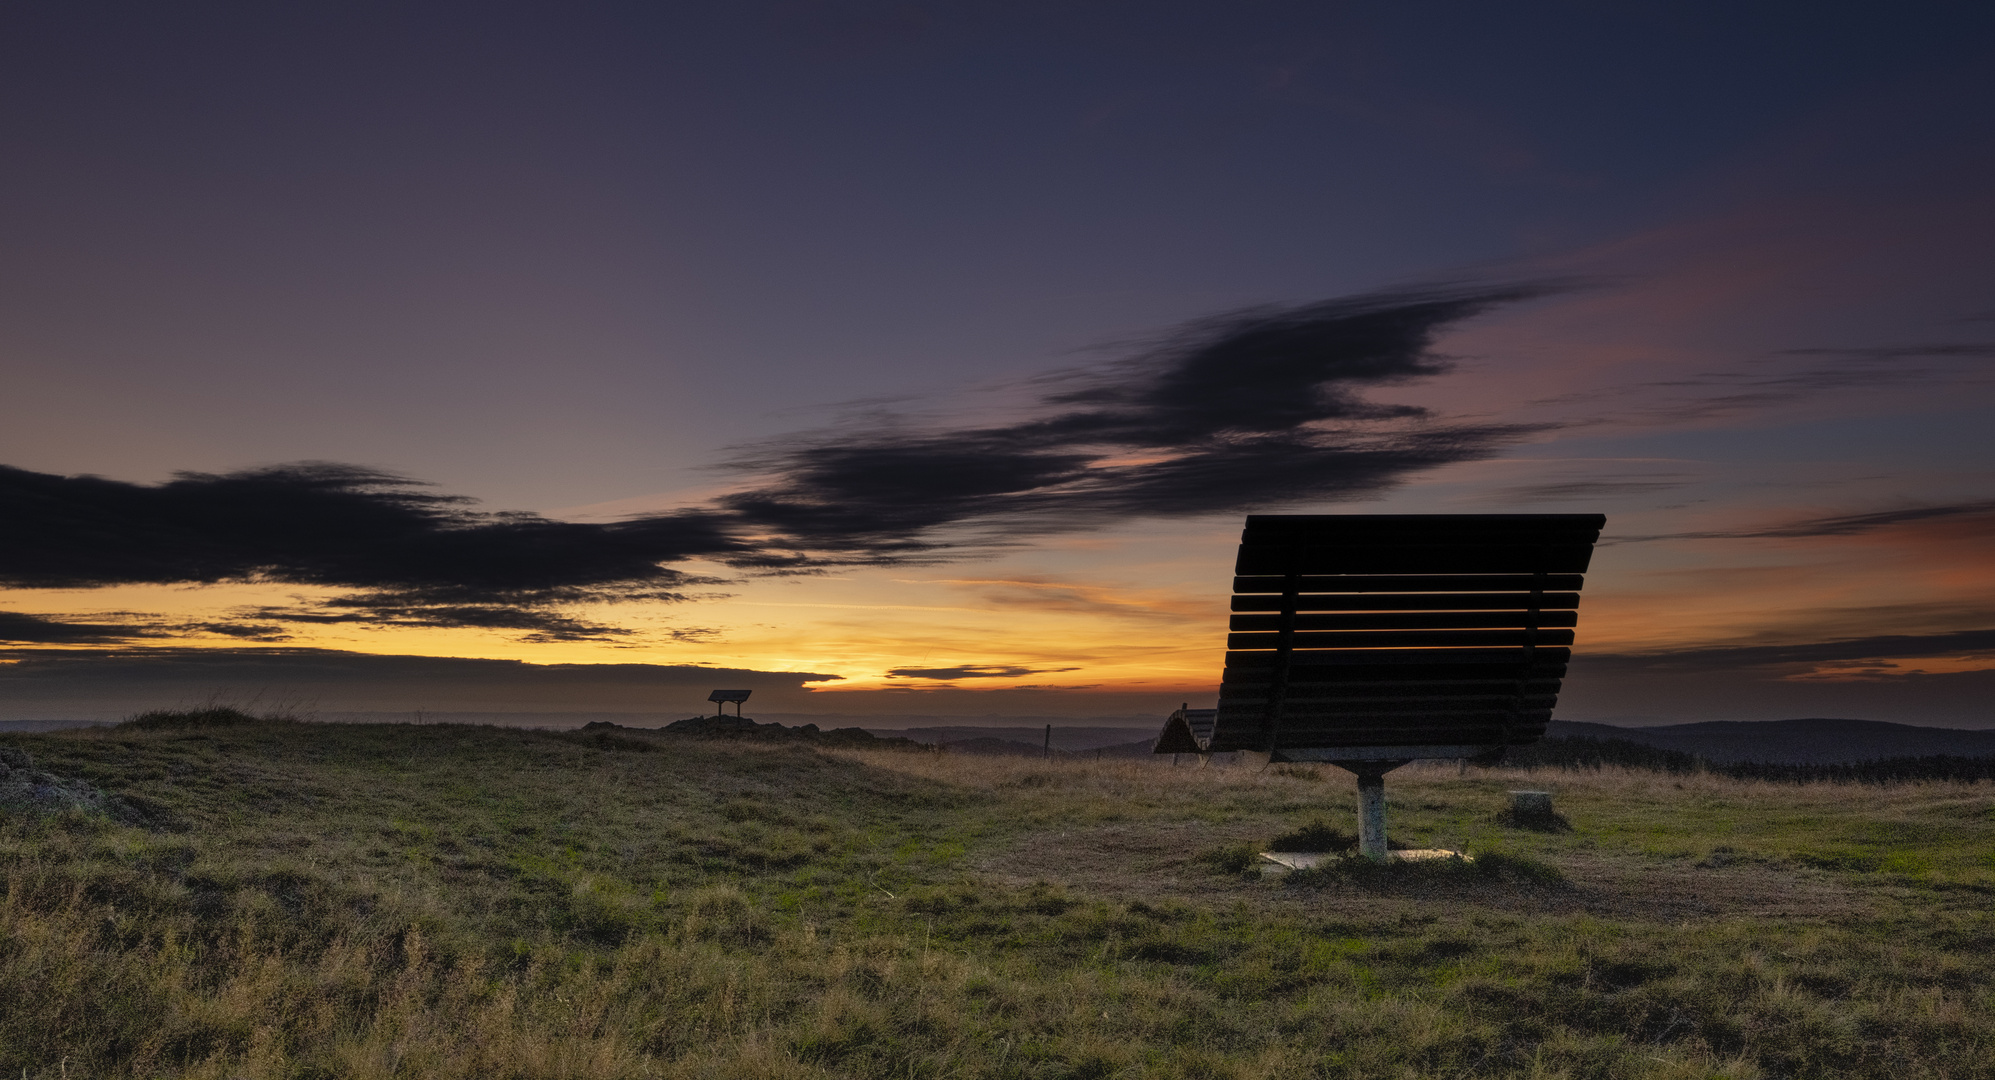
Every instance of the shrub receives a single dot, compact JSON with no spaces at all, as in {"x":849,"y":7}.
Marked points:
{"x":1232,"y":859}
{"x":216,"y":717}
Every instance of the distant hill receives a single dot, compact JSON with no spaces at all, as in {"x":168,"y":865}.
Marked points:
{"x":1067,"y":738}
{"x":989,"y":746}
{"x":1012,"y":747}
{"x":1814,"y":741}
{"x":30,"y":726}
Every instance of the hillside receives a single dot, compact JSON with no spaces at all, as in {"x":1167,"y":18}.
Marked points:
{"x":273,"y":899}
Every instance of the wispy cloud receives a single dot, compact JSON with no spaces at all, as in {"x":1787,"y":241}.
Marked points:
{"x":1843,"y":651}
{"x":1067,"y":597}
{"x":530,"y":615}
{"x":1767,"y":382}
{"x":1981,"y":512}
{"x":1586,"y":489}
{"x":973,"y":671}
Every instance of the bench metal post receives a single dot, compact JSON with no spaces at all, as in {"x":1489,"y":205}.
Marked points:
{"x":1371,"y":804}
{"x":1371,"y":815}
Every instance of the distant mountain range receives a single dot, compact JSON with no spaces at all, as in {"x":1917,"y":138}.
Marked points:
{"x":1815,"y":741}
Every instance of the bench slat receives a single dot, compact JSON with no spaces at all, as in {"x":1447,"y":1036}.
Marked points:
{"x":1486,"y":659}
{"x":1556,"y":601}
{"x":1413,"y":559}
{"x":1403,"y":639}
{"x":1411,"y":620}
{"x":1408,"y":583}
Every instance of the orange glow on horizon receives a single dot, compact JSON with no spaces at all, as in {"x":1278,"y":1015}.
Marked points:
{"x":1109,"y":613}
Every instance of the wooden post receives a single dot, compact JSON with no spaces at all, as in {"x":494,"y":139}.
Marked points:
{"x":1049,"y":741}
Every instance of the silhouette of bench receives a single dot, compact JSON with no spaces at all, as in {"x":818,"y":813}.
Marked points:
{"x":1373,"y":640}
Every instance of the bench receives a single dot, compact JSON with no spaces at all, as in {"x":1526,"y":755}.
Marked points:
{"x":1373,"y":640}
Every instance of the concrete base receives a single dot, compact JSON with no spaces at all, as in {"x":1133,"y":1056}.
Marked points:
{"x":1425,"y":854}
{"x":1309,"y":860}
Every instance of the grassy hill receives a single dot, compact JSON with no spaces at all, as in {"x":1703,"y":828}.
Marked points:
{"x":273,"y":899}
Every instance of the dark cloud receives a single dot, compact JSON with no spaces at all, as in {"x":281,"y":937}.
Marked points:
{"x":22,"y":628}
{"x":1250,"y":410}
{"x":1840,"y":653}
{"x":972,"y":671}
{"x":325,"y":524}
{"x":243,"y":631}
{"x":418,"y":558}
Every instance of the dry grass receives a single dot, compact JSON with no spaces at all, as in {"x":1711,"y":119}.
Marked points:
{"x":402,"y":901}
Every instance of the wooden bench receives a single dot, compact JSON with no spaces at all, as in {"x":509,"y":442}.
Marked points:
{"x":1373,"y":640}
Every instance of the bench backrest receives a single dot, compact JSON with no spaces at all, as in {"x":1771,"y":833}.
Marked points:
{"x":1441,"y":630}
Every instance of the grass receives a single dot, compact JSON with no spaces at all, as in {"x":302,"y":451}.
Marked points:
{"x":374,"y":901}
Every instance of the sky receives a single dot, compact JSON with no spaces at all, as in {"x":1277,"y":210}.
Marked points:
{"x":898,"y":359}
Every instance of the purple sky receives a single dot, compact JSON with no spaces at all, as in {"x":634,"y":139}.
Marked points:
{"x":1731,"y":269}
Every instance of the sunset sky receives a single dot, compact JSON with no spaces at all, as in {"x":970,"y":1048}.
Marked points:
{"x":910,"y":359}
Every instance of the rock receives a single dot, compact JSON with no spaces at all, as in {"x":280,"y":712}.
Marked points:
{"x":1526,"y":805}
{"x":24,"y":788}
{"x":1533,"y":810}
